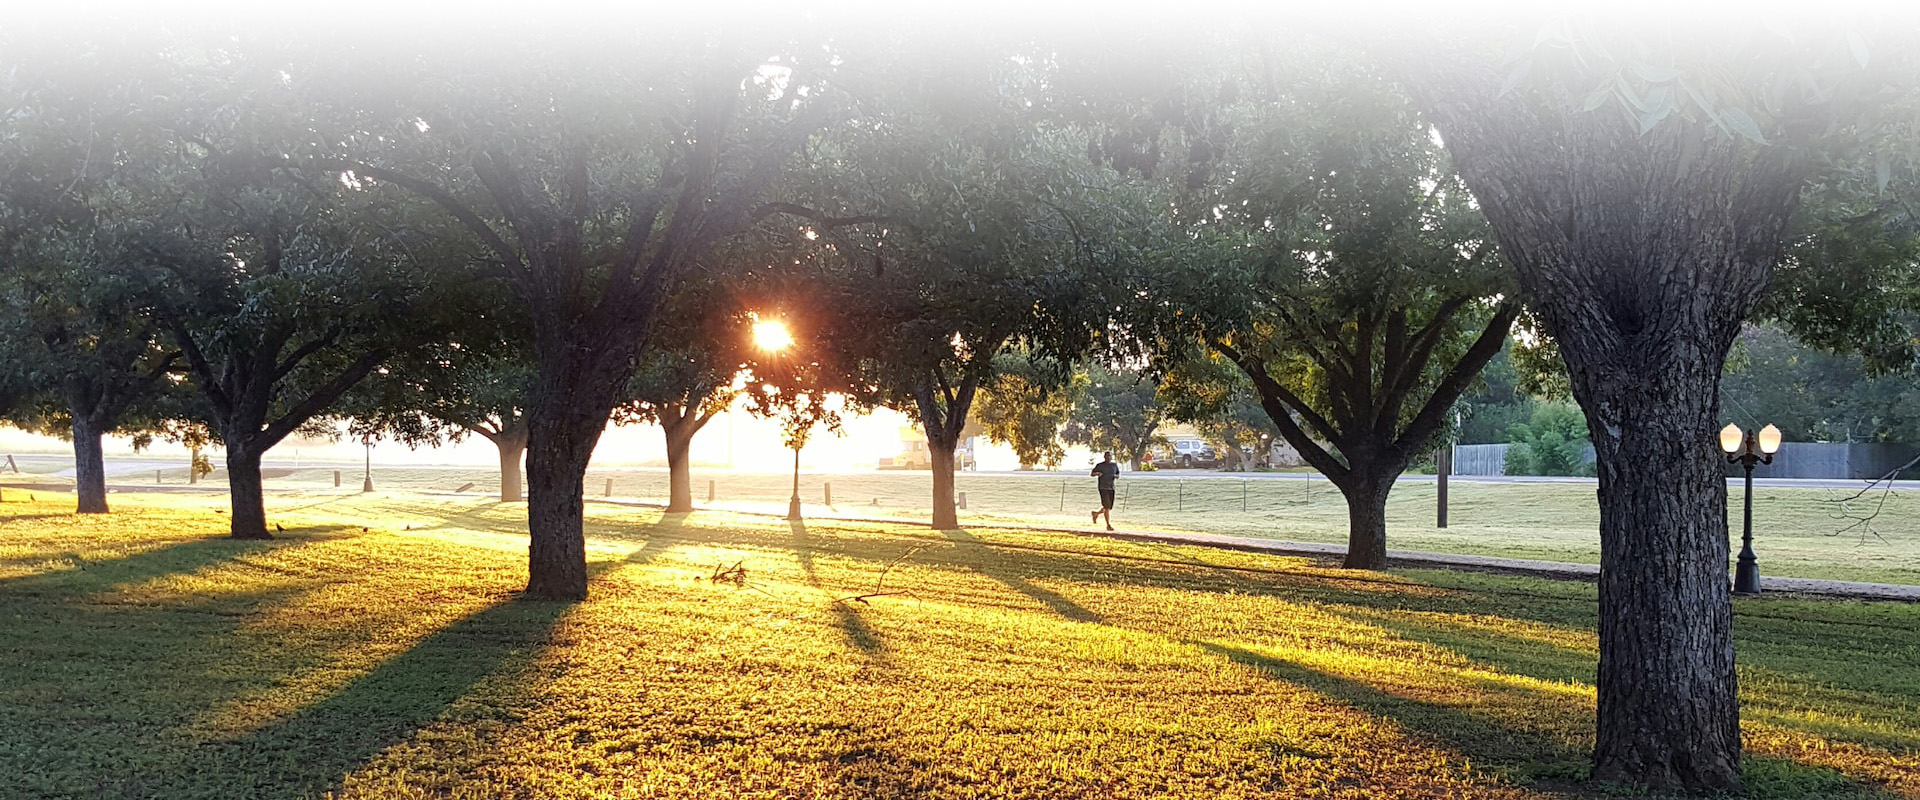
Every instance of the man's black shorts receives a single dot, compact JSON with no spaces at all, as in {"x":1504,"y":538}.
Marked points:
{"x":1106,"y":498}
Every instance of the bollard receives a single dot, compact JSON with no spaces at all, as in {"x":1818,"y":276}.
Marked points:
{"x":709,"y":491}
{"x":1243,"y":495}
{"x":336,"y":479}
{"x":609,"y":488}
{"x":156,"y":477}
{"x":963,"y":500}
{"x":1180,"y":499}
{"x":1063,"y":495}
{"x":826,"y":489}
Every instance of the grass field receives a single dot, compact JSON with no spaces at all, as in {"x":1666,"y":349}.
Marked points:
{"x":1800,"y":532}
{"x":377,"y":650}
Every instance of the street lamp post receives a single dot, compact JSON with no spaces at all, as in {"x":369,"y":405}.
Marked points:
{"x":793,"y":505}
{"x":1747,"y":450}
{"x":367,"y":484}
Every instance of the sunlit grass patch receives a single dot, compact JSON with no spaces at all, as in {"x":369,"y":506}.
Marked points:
{"x":850,"y":660}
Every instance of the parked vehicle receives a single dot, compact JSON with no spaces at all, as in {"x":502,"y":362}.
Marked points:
{"x":1192,"y":453}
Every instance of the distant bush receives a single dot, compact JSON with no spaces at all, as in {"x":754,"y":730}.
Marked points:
{"x":1551,"y":442}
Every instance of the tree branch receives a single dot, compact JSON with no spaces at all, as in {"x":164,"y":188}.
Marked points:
{"x":321,"y":398}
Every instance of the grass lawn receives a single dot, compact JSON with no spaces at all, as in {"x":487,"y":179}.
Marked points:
{"x":1798,"y":531}
{"x":145,"y":656}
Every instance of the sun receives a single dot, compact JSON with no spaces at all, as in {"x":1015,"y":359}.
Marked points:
{"x":772,"y":335}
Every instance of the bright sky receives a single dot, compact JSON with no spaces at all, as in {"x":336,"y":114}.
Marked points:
{"x":748,"y":443}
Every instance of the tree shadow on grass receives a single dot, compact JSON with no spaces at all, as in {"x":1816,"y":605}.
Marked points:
{"x":312,"y":752}
{"x":1478,"y":738}
{"x":803,"y":551}
{"x":858,"y":631}
{"x":992,"y":565}
{"x":1500,"y":651}
{"x":180,"y":557}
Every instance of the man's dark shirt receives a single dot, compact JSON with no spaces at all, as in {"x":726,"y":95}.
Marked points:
{"x":1107,"y":472}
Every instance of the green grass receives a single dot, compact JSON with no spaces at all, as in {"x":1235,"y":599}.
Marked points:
{"x":1798,"y":531}
{"x":147,"y":657}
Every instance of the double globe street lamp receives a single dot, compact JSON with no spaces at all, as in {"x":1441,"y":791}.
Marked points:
{"x":1748,"y":449}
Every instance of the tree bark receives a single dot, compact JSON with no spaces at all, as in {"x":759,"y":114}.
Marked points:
{"x":1643,"y":252}
{"x":89,"y":467}
{"x":1367,"y":521}
{"x":247,"y":500}
{"x":1667,"y":689}
{"x":946,"y":515}
{"x":513,"y":448}
{"x":679,"y":470}
{"x":564,"y":422}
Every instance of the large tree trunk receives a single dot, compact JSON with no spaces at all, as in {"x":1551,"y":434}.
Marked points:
{"x":1669,"y":711}
{"x":248,"y":501}
{"x":563,"y":427}
{"x":513,"y":448}
{"x":1643,"y":251}
{"x":679,"y":470}
{"x":89,"y":467}
{"x":946,"y":516}
{"x":1366,"y":521}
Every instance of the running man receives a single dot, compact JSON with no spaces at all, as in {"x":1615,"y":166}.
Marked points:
{"x":1107,"y":472}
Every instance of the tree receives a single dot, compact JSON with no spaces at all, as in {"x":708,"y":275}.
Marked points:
{"x":83,"y":345}
{"x":688,"y":377}
{"x":281,"y":292}
{"x":475,"y":383}
{"x":1024,"y":407}
{"x":1342,"y":267}
{"x":1814,"y":395}
{"x":72,"y":324}
{"x":1119,"y":413}
{"x":1495,"y":404}
{"x":986,"y":234}
{"x":594,"y":174}
{"x":1643,"y":190}
{"x":1218,"y":400}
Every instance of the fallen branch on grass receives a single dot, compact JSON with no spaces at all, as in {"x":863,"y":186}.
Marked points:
{"x":862,"y":598}
{"x":880,"y":585}
{"x":736,"y":574}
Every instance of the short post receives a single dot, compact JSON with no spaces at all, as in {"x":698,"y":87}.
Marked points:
{"x":1180,"y":495}
{"x":826,"y":492}
{"x":1243,"y":495}
{"x":156,"y":477}
{"x":709,"y":491}
{"x":962,"y":501}
{"x":1063,"y":494}
{"x":1442,"y":467}
{"x":336,"y":479}
{"x":609,"y":488}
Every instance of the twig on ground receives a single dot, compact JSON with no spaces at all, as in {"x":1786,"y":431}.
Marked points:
{"x":880,"y":585}
{"x":736,"y":574}
{"x":862,"y":598}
